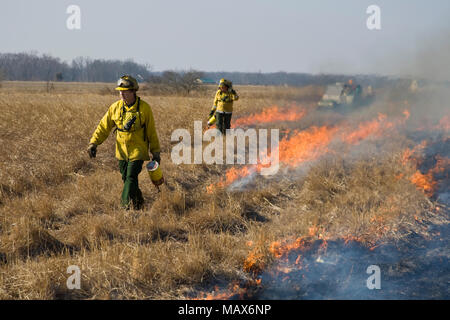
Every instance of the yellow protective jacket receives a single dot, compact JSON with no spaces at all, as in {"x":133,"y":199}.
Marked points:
{"x":133,"y":144}
{"x":223,"y":101}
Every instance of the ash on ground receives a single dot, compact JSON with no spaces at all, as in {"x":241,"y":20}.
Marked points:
{"x":416,"y":267}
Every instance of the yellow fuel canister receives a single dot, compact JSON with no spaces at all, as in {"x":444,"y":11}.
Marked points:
{"x":155,"y":173}
{"x":212,"y":121}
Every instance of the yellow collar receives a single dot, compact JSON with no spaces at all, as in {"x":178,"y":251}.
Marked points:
{"x":128,"y":108}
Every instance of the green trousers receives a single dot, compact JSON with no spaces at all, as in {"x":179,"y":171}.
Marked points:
{"x":131,"y":194}
{"x":223,"y":121}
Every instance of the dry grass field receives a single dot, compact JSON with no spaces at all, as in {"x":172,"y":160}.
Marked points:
{"x":60,"y":208}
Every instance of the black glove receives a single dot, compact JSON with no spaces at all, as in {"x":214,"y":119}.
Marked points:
{"x":92,"y":150}
{"x":156,"y":157}
{"x":233,"y":92}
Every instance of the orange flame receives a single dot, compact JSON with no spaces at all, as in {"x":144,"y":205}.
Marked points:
{"x":279,"y":249}
{"x":233,"y":290}
{"x":272,"y":114}
{"x":375,"y":128}
{"x":253,"y":262}
{"x":407,"y":155}
{"x":407,"y":114}
{"x":307,"y":145}
{"x":424,"y":182}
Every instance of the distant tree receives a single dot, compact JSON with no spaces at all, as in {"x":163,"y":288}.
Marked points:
{"x":79,"y":69}
{"x":190,"y":80}
{"x":59,"y":76}
{"x":178,"y":82}
{"x":154,"y":79}
{"x":171,"y":79}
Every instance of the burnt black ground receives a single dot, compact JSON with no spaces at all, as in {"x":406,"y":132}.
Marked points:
{"x":414,"y":268}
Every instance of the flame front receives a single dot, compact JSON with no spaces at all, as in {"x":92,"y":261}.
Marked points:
{"x":299,"y":147}
{"x":272,"y":114}
{"x":425,"y":182}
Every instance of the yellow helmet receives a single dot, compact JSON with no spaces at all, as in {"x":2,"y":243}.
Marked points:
{"x":224,"y":82}
{"x":127,"y":83}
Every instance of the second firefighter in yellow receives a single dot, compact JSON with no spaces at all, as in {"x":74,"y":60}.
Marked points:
{"x":223,"y":105}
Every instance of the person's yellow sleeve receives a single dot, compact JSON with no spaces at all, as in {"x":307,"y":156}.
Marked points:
{"x":103,"y":129}
{"x":216,"y":99}
{"x":151,"y":133}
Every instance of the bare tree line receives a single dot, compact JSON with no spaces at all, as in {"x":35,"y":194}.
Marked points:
{"x":33,"y":67}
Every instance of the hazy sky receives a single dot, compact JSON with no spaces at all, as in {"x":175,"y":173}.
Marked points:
{"x":230,"y":35}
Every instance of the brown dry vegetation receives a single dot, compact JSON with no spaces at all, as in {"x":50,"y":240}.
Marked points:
{"x":59,"y":208}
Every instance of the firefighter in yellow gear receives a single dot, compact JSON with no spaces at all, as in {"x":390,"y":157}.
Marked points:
{"x":136,"y":135}
{"x":223,"y":105}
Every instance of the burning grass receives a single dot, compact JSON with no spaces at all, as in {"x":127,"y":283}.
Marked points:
{"x":58,"y":208}
{"x":272,"y":114}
